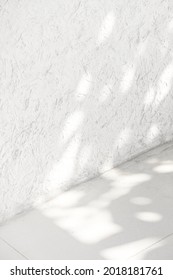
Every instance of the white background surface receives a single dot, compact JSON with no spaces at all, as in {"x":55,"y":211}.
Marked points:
{"x":84,"y":85}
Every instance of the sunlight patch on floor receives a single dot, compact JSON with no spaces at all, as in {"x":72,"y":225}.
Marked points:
{"x":127,"y":250}
{"x":148,"y":217}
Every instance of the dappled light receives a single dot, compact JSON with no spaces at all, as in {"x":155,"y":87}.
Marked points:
{"x":128,"y":77}
{"x":142,"y":48}
{"x":105,"y":93}
{"x":170,"y":26}
{"x":67,"y":199}
{"x":83,"y":87}
{"x":123,"y":137}
{"x":166,"y":167}
{"x":148,"y":217}
{"x":164,"y":84}
{"x":131,"y":180}
{"x":85,"y":155}
{"x":72,"y":125}
{"x":106,"y":96}
{"x":63,"y":170}
{"x":106,"y":28}
{"x":149,"y":98}
{"x":119,"y":213}
{"x":152,"y":133}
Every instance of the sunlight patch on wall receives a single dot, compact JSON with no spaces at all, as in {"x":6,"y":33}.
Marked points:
{"x":164,"y":48}
{"x":107,"y":165}
{"x":85,"y":155}
{"x":83,"y":87}
{"x":141,"y":48}
{"x":164,"y":84}
{"x":123,"y":137}
{"x":72,"y":125}
{"x":106,"y":28}
{"x":63,"y":170}
{"x":105,"y":93}
{"x":170,"y":26}
{"x":149,"y":98}
{"x":152,"y":134}
{"x":127,"y":80}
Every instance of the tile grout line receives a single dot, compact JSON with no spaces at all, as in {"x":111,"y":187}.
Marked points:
{"x":145,"y":249}
{"x":13,"y":248}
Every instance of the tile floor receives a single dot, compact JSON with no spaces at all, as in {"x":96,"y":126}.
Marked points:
{"x":127,"y":213}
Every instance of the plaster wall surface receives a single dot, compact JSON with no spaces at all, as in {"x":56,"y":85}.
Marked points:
{"x":84,"y":86}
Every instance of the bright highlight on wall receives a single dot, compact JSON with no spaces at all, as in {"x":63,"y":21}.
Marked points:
{"x":106,"y":28}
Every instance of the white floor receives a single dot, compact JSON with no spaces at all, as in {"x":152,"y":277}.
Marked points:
{"x":127,"y":213}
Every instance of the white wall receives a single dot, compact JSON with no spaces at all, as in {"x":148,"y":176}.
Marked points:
{"x":84,"y":86}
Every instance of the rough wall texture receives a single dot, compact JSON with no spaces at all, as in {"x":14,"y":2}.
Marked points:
{"x":84,"y":86}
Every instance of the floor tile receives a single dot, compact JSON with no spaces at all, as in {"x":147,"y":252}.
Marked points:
{"x":8,"y":253}
{"x":162,"y":250}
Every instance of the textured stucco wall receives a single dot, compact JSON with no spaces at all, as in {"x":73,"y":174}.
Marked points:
{"x":84,"y":86}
